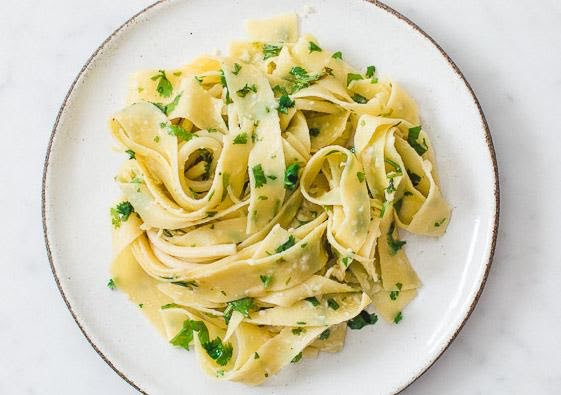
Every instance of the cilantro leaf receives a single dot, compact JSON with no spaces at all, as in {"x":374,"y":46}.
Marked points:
{"x":394,"y":245}
{"x":168,"y":108}
{"x":360,"y":176}
{"x":370,"y":70}
{"x":286,"y":245}
{"x":241,"y":138}
{"x":333,"y":304}
{"x":241,"y":305}
{"x":259,"y":176}
{"x":359,"y":99}
{"x":111,"y":284}
{"x":362,"y":319}
{"x":185,"y":284}
{"x":218,"y":351}
{"x":337,"y":55}
{"x":285,"y":102}
{"x":121,"y":213}
{"x":412,"y":139}
{"x":177,"y":131}
{"x":394,"y":294}
{"x":270,"y":51}
{"x":297,"y":358}
{"x":246,"y":89}
{"x":266,"y":279}
{"x":236,"y":69}
{"x":291,"y":176}
{"x":184,"y":337}
{"x":353,"y":77}
{"x":313,"y":300}
{"x":313,"y":47}
{"x":301,"y":78}
{"x":164,"y":87}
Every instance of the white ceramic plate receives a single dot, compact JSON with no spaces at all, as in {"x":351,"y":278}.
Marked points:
{"x":78,"y":190}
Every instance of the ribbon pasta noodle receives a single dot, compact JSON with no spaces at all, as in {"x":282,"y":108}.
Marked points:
{"x":263,"y":199}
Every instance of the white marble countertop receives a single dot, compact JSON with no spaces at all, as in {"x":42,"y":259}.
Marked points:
{"x":509,"y":51}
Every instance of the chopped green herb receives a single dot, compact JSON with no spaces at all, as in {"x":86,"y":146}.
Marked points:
{"x":313,"y":300}
{"x":286,"y":245}
{"x":301,"y":78}
{"x":359,"y":99}
{"x":236,"y":69}
{"x":256,"y":355}
{"x":141,"y":305}
{"x":297,"y":331}
{"x":131,"y":153}
{"x":327,"y":71}
{"x":215,"y":349}
{"x":186,"y":284}
{"x":210,"y":214}
{"x":415,"y":178}
{"x":170,"y":306}
{"x":332,"y":303}
{"x":246,"y":89}
{"x":297,"y":358}
{"x":177,"y":73}
{"x":263,"y":197}
{"x":241,"y":138}
{"x":304,"y":245}
{"x":219,"y":373}
{"x":259,"y":176}
{"x":279,"y":90}
{"x":270,"y":51}
{"x":370,"y":70}
{"x":199,"y":79}
{"x":272,"y":177}
{"x":353,"y":77}
{"x":168,"y":108}
{"x":285,"y":102}
{"x":291,"y":176}
{"x":241,"y":305}
{"x":394,"y":294}
{"x":394,"y":165}
{"x":121,"y":213}
{"x":325,"y":334}
{"x":266,"y":279}
{"x":177,"y":131}
{"x":157,"y":139}
{"x":314,"y":132}
{"x":347,"y":260}
{"x":394,"y":245}
{"x":313,"y":47}
{"x":407,"y":193}
{"x":438,"y":223}
{"x":391,"y":186}
{"x":337,"y":55}
{"x":360,"y":176}
{"x":111,"y":284}
{"x":398,"y":317}
{"x":164,"y":87}
{"x":362,"y":319}
{"x":412,"y":139}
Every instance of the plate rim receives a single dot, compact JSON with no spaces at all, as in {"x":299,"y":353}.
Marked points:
{"x":376,"y":3}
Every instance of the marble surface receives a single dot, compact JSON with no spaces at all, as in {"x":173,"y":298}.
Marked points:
{"x":509,"y":51}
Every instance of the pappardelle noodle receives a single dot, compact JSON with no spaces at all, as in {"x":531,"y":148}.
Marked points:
{"x":262,"y":201}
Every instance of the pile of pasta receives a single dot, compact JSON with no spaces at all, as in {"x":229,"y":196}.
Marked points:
{"x":263,"y":198}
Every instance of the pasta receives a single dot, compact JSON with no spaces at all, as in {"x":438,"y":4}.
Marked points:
{"x":263,"y":198}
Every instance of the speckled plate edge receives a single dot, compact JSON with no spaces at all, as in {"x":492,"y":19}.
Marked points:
{"x":488,"y":140}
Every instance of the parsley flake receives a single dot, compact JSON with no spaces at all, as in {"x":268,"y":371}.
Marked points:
{"x":111,"y":284}
{"x":353,"y":77}
{"x":131,"y":154}
{"x":337,"y":55}
{"x":286,"y":245}
{"x":360,"y":176}
{"x":241,"y":305}
{"x":394,"y":245}
{"x":362,"y":319}
{"x":164,"y":87}
{"x":325,"y":334}
{"x":332,"y":304}
{"x":398,"y":317}
{"x":412,"y":139}
{"x":236,"y":69}
{"x":121,"y":213}
{"x":291,"y":176}
{"x":266,"y":279}
{"x":241,"y":138}
{"x":313,"y":47}
{"x":246,"y":89}
{"x":259,"y":176}
{"x":359,"y":99}
{"x":285,"y":102}
{"x":270,"y":51}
